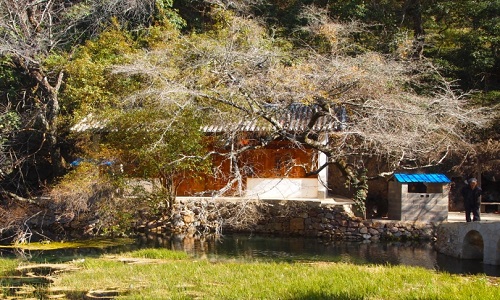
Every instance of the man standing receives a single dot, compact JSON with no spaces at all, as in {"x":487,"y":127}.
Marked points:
{"x":472,"y":200}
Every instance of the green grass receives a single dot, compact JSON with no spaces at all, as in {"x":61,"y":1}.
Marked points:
{"x":153,"y":253}
{"x":7,"y":265}
{"x":175,"y":276}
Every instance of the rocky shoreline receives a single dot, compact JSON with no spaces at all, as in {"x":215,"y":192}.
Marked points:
{"x":293,"y":218}
{"x":206,"y":216}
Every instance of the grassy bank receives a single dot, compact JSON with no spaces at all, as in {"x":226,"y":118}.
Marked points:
{"x":162,"y":274}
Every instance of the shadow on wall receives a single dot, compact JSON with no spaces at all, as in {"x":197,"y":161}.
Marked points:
{"x":473,"y":246}
{"x":376,"y":204}
{"x":491,"y":192}
{"x":455,"y":201}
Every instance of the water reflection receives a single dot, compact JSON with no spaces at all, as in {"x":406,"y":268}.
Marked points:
{"x":295,"y":248}
{"x":465,"y":266}
{"x":241,"y":246}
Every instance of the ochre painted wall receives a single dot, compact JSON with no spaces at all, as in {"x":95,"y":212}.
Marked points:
{"x":278,"y":160}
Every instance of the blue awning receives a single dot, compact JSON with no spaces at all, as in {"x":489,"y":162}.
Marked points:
{"x":426,"y":178}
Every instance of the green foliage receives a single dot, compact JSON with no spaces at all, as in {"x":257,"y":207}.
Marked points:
{"x":161,"y":141}
{"x":77,"y":39}
{"x":13,"y":83}
{"x":9,"y":121}
{"x":56,"y":62}
{"x":234,"y":58}
{"x":9,"y":78}
{"x":462,"y":35}
{"x":466,"y":35}
{"x":166,"y":12}
{"x":490,"y":98}
{"x":158,"y":36}
{"x":90,"y":85}
{"x":347,"y":10}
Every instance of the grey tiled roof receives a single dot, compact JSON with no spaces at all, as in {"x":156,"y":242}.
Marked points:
{"x":293,"y":118}
{"x":89,"y":123}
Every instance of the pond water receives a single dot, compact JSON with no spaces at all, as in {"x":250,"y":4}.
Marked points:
{"x":247,"y":246}
{"x":299,"y":248}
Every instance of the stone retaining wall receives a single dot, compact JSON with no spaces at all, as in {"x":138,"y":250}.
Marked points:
{"x":298,"y":218}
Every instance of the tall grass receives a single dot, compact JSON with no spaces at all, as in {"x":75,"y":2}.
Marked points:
{"x":202,"y":279}
{"x":153,"y":253}
{"x":7,"y":265}
{"x":173,"y":275}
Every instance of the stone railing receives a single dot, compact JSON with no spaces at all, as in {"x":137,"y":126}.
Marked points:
{"x":470,"y":240}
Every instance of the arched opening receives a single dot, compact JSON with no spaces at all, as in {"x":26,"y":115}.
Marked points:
{"x":473,"y":245}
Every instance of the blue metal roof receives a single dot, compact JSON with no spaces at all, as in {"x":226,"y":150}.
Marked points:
{"x":427,"y":178}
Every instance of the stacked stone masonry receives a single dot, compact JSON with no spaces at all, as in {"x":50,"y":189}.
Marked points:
{"x":294,"y":218}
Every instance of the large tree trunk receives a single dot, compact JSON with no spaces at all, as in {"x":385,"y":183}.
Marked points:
{"x":47,"y":115}
{"x":358,"y":179}
{"x":51,"y":112}
{"x":413,"y":8}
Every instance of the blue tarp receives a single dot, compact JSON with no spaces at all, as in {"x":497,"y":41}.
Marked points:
{"x":79,"y":161}
{"x":426,"y":178}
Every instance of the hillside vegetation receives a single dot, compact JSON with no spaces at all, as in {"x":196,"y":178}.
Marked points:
{"x":418,"y":81}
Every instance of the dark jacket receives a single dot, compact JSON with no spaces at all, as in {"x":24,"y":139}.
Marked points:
{"x":472,"y":196}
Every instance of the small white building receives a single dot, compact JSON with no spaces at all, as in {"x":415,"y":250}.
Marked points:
{"x":418,"y":197}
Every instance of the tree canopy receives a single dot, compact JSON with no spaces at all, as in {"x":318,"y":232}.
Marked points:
{"x":400,"y":111}
{"x":158,"y":70}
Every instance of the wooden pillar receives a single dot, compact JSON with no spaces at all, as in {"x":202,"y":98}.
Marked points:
{"x":323,"y":174}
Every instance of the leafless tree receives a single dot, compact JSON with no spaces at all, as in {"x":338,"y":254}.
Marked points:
{"x":238,"y":72}
{"x":28,"y":34}
{"x":31,"y":31}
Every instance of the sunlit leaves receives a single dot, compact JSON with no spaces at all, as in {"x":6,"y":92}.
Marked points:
{"x":158,"y":141}
{"x":89,"y":85}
